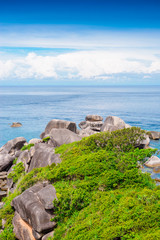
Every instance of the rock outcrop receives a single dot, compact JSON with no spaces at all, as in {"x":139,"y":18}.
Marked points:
{"x":43,"y":156}
{"x":92,"y":122}
{"x":12,"y":146}
{"x":56,"y":123}
{"x":113,"y":123}
{"x":21,"y":229}
{"x":152,"y":162}
{"x":63,"y":136}
{"x":35,"y":210}
{"x":154,"y":135}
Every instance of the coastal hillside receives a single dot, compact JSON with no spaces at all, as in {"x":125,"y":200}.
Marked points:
{"x":70,"y":186}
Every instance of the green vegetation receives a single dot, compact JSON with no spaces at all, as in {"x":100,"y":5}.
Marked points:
{"x":27,"y":147}
{"x":102,"y":193}
{"x":46,"y":139}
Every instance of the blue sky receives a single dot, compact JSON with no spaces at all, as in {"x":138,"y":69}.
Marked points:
{"x":79,"y":42}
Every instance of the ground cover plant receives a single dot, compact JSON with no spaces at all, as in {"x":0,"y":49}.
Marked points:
{"x":101,"y":191}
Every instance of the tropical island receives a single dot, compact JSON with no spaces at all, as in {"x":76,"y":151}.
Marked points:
{"x":80,"y":184}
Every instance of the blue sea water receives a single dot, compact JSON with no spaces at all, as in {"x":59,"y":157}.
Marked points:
{"x":34,"y":107}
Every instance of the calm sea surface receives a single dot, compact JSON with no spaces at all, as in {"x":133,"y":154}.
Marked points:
{"x":34,"y":107}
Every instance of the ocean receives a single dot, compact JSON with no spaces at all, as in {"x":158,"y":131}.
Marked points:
{"x":34,"y":107}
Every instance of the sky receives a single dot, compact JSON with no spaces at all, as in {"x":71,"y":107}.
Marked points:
{"x":91,"y":42}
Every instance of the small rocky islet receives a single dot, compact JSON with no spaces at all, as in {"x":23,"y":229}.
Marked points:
{"x":34,"y":207}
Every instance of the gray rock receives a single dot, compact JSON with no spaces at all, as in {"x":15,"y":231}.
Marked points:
{"x":3,"y":173}
{"x":13,"y":145}
{"x":154,"y":135}
{"x":56,"y":123}
{"x":113,"y":123}
{"x":22,"y":230}
{"x":37,"y":235}
{"x":95,"y":125}
{"x":32,"y":211}
{"x":153,"y":161}
{"x":144,"y":143}
{"x":64,"y":136}
{"x":93,"y":118}
{"x":43,"y":156}
{"x":1,"y":205}
{"x":86,"y":132}
{"x":47,"y":195}
{"x":6,"y":161}
{"x":35,"y":140}
{"x":50,"y":234}
{"x":25,"y":158}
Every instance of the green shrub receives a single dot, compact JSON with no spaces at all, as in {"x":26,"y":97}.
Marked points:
{"x":27,"y":147}
{"x":46,"y":139}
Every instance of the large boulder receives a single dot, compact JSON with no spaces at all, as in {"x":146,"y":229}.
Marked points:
{"x":6,"y":161}
{"x":152,"y":162}
{"x":43,"y":156}
{"x":31,"y":204}
{"x":63,"y":136}
{"x":154,"y":135}
{"x":113,"y":123}
{"x":56,"y":123}
{"x":22,"y":230}
{"x":12,"y":146}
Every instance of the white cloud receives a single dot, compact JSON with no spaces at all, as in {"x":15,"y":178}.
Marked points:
{"x":80,"y":64}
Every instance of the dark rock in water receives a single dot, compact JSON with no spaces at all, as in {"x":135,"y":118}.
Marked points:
{"x":154,"y":135}
{"x":12,"y":146}
{"x":63,"y":136}
{"x":6,"y":161}
{"x":32,"y":210}
{"x":16,"y":124}
{"x":22,"y":230}
{"x":94,"y":118}
{"x":56,"y":123}
{"x":43,"y":156}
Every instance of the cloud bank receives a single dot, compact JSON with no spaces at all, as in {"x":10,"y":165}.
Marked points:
{"x":80,"y":64}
